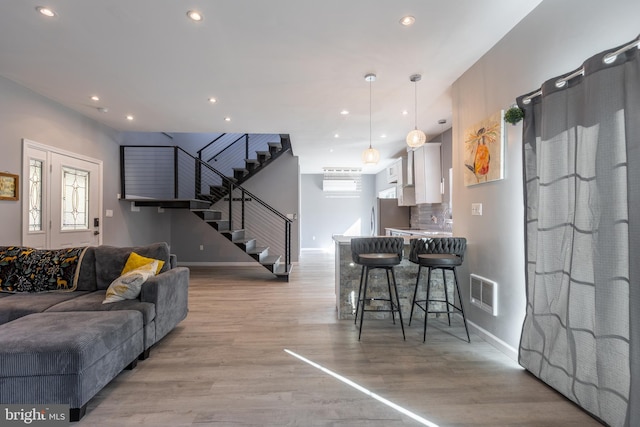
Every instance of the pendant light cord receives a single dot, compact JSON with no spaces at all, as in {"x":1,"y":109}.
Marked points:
{"x":370,"y":101}
{"x":415,"y":109}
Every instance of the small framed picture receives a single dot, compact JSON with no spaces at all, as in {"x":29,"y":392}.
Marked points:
{"x":9,"y":186}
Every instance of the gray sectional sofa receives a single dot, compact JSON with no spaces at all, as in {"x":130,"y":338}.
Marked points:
{"x":63,"y":347}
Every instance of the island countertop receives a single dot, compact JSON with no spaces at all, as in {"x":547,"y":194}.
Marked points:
{"x":347,"y":279}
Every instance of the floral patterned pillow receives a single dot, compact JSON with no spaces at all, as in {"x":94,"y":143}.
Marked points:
{"x":24,"y":269}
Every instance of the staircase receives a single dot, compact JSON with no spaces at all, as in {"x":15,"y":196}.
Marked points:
{"x":210,"y":186}
{"x":235,"y":153}
{"x":247,"y":244}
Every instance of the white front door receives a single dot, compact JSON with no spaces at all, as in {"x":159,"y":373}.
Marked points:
{"x":63,"y":197}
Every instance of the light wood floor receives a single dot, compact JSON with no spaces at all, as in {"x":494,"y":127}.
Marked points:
{"x":225,"y":365}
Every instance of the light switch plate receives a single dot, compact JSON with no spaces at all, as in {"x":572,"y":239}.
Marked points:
{"x":476,"y":208}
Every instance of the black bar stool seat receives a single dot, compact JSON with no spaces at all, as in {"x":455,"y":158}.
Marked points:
{"x":379,"y":260}
{"x":377,"y":253}
{"x":438,"y":254}
{"x":437,"y":260}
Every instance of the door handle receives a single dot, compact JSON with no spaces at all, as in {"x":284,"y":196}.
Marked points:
{"x":95,"y":233}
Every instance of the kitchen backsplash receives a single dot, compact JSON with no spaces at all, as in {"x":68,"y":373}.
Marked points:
{"x":429,"y":216}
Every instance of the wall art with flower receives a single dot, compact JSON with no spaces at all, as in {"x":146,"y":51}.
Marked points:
{"x":484,"y":150}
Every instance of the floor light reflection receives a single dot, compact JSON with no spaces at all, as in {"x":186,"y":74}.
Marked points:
{"x":364,"y":390}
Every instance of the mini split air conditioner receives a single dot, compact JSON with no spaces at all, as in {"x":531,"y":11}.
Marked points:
{"x":339,"y":185}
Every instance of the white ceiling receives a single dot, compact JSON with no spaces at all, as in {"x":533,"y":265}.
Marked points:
{"x":277,"y":66}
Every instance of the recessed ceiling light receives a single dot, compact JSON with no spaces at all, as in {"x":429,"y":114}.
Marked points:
{"x":213,"y":100}
{"x":49,"y":13}
{"x":405,"y":112}
{"x":331,"y":150}
{"x":130,"y":117}
{"x":227,"y":119}
{"x":95,"y":98}
{"x":408,"y":20}
{"x":344,"y":112}
{"x":383,"y":136}
{"x":194,"y":15}
{"x":336,"y":135}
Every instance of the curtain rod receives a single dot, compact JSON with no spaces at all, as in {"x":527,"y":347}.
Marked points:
{"x":607,"y":59}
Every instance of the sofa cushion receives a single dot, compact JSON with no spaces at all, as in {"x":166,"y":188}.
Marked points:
{"x":87,"y":273}
{"x":37,"y":344}
{"x":110,"y":260}
{"x":93,"y":302}
{"x":14,"y":306}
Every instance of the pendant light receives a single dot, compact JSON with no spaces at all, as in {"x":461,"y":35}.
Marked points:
{"x":370,"y":156}
{"x":416,"y":137}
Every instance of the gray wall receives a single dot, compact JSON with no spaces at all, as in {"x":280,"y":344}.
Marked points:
{"x":25,"y":114}
{"x":555,"y":38}
{"x":322,"y":214}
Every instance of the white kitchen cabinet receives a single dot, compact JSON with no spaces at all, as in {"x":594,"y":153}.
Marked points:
{"x":394,"y":171}
{"x":428,"y":175}
{"x":406,"y":195}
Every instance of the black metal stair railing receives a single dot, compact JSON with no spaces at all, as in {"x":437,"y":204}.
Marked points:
{"x":230,"y":152}
{"x":164,"y":173}
{"x":158,"y":172}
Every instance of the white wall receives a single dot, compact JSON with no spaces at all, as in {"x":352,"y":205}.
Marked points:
{"x":25,"y":114}
{"x":555,"y":38}
{"x":323,"y":214}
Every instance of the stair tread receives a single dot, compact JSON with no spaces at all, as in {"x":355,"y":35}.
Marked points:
{"x":270,"y":259}
{"x":257,"y":250}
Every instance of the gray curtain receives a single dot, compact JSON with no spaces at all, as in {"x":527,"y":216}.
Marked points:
{"x":581,"y":160}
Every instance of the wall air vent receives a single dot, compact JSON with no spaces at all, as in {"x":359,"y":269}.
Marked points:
{"x":337,"y":180}
{"x":484,"y":294}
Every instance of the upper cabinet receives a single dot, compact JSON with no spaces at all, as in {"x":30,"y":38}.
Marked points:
{"x":394,"y":171}
{"x":405,"y":195}
{"x":428,"y":173}
{"x":401,"y":174}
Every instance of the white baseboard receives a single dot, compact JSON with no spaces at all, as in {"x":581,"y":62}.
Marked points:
{"x":222,"y":264}
{"x":511,"y":352}
{"x":217,"y":264}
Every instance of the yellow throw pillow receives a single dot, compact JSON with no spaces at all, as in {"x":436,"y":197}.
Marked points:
{"x":129,"y":285}
{"x":136,"y":261}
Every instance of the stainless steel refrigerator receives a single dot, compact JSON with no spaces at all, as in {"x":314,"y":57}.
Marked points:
{"x":389,"y":215}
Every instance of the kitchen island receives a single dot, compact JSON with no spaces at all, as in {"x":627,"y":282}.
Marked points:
{"x":347,"y":281}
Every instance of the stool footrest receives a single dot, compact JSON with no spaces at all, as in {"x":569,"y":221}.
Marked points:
{"x":418,"y":302}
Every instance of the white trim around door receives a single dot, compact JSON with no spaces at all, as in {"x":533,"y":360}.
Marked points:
{"x":62,"y":202}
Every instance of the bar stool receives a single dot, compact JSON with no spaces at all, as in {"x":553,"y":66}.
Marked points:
{"x":438,"y":254}
{"x":377,"y":253}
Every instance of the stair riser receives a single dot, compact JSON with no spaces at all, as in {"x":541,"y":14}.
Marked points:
{"x":209,"y":215}
{"x":219,"y":225}
{"x":246,"y":245}
{"x":234,"y":235}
